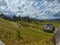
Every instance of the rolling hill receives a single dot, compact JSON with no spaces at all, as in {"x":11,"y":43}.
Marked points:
{"x":25,"y":33}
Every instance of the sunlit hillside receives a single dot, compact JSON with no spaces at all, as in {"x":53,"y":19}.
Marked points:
{"x":25,"y":33}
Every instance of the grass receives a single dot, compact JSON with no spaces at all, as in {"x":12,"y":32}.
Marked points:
{"x":25,"y":33}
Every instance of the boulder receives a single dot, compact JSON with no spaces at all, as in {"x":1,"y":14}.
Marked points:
{"x":57,"y":36}
{"x":1,"y":43}
{"x":49,"y":27}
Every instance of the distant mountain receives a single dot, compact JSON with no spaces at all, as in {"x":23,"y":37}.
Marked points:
{"x":57,"y":14}
{"x":55,"y":20}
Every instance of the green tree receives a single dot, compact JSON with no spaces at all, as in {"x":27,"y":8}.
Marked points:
{"x":15,"y":18}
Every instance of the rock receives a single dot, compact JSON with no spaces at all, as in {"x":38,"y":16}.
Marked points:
{"x":57,"y":36}
{"x":49,"y":27}
{"x":1,"y":43}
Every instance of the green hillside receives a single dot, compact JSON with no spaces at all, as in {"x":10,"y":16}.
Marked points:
{"x":25,"y":33}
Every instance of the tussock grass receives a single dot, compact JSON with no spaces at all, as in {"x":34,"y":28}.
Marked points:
{"x":25,"y":33}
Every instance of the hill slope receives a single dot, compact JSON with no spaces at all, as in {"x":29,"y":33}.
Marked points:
{"x":25,"y":33}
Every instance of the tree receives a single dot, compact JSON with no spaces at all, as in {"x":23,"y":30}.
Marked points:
{"x":15,"y":18}
{"x":4,"y":16}
{"x":20,"y":18}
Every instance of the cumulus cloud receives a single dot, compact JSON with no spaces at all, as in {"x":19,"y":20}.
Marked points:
{"x":40,"y":9}
{"x":2,"y":3}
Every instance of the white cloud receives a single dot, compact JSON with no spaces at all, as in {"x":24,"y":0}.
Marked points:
{"x":39,"y":9}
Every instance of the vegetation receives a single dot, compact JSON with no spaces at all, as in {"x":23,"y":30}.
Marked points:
{"x":25,"y":32}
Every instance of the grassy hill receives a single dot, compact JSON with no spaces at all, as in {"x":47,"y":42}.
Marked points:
{"x":25,"y":33}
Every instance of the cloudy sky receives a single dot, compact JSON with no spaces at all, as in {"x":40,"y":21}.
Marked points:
{"x":40,"y":9}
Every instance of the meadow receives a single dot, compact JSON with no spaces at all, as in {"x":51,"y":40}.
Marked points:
{"x":26,"y":33}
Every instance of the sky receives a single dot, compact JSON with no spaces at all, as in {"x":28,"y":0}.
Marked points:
{"x":40,"y":9}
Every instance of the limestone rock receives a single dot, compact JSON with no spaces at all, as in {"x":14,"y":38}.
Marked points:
{"x":49,"y":27}
{"x":1,"y":43}
{"x":57,"y":36}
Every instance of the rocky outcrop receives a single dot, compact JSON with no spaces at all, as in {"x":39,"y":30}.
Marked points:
{"x":57,"y":36}
{"x":1,"y":43}
{"x":49,"y":27}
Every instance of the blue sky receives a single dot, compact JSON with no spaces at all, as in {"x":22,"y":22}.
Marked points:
{"x":40,"y":9}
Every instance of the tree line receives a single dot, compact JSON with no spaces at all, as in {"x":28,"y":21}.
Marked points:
{"x":19,"y":18}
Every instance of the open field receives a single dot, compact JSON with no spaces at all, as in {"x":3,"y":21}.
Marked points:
{"x":25,"y":33}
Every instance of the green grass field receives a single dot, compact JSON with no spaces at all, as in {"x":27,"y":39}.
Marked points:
{"x":25,"y":33}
